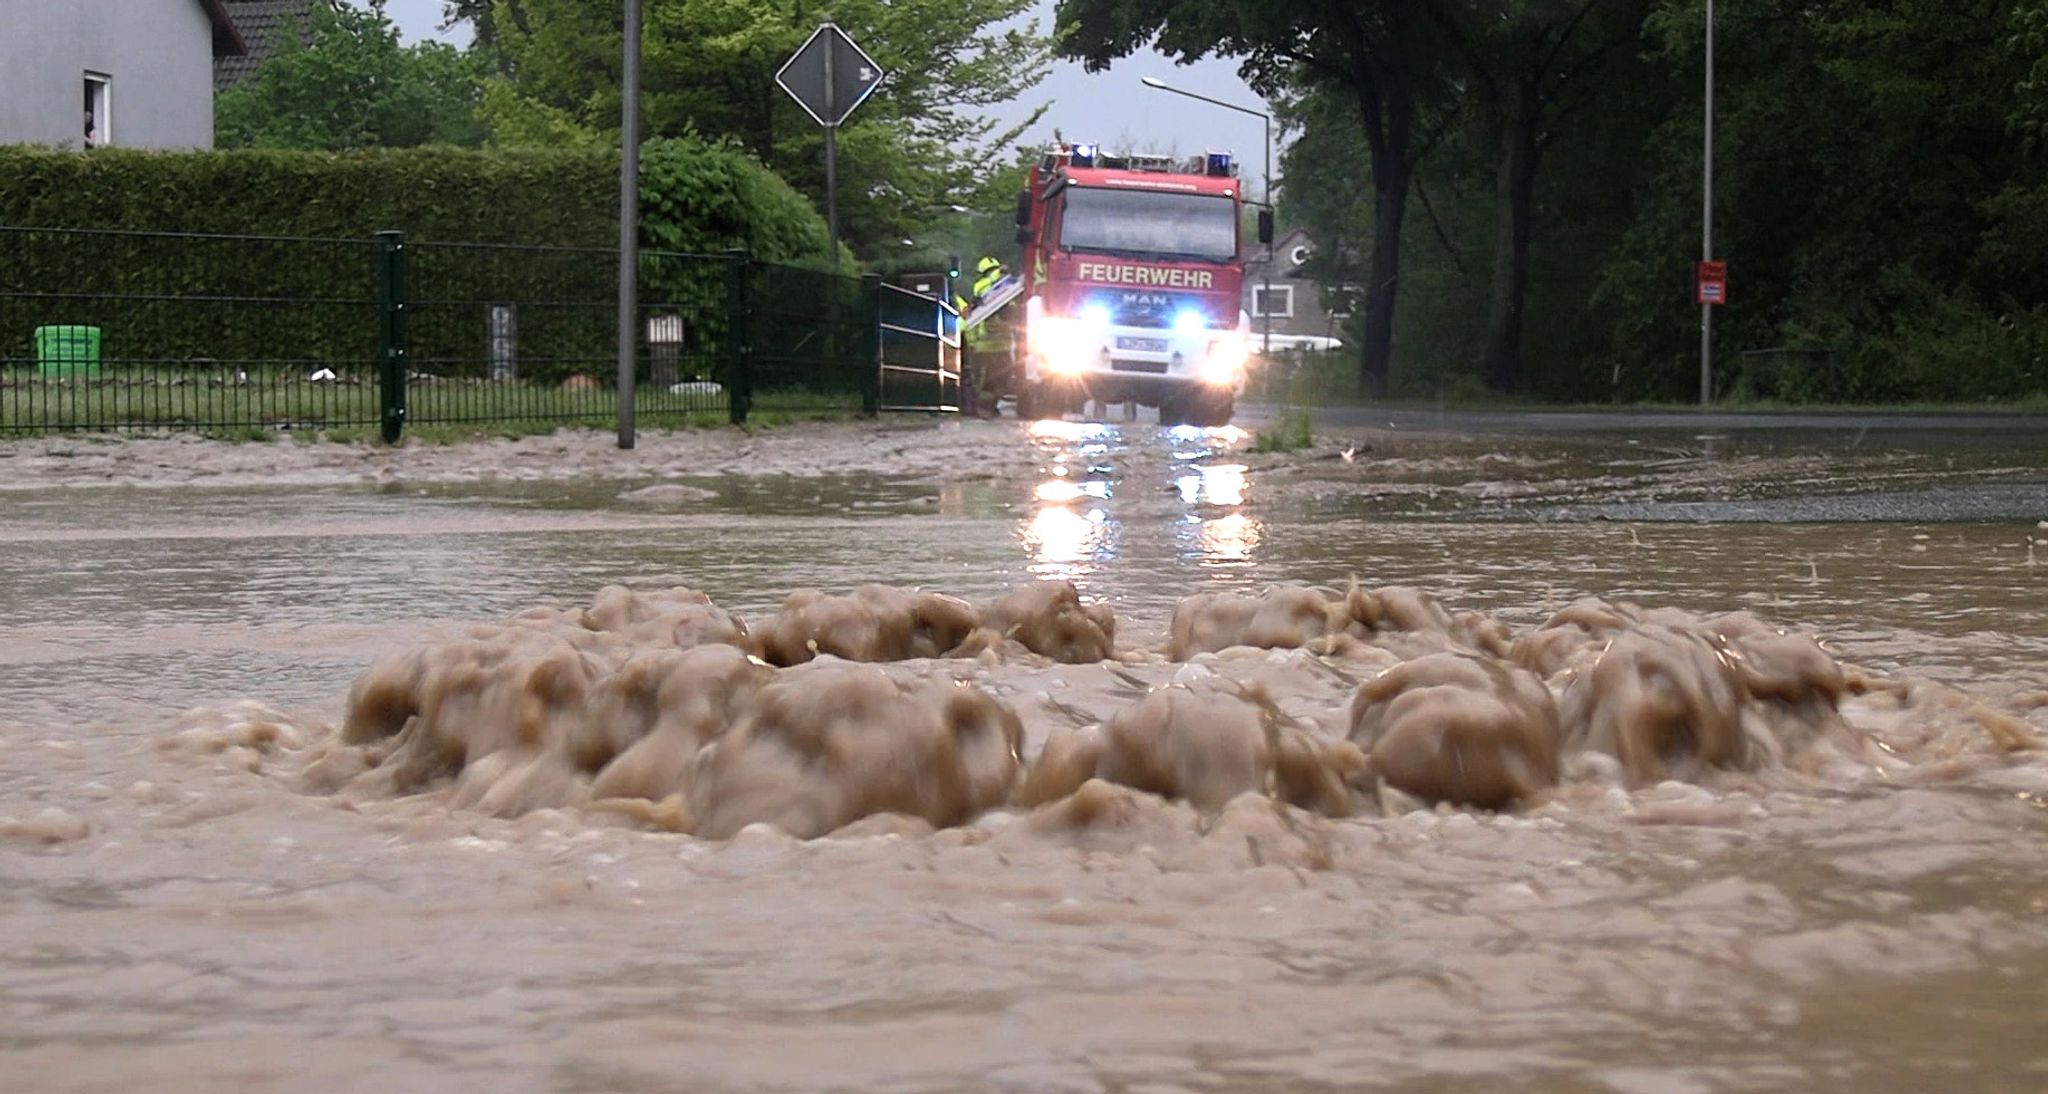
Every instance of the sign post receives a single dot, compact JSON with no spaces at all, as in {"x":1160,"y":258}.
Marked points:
{"x":629,"y":222}
{"x":1712,"y":284}
{"x":829,"y":76}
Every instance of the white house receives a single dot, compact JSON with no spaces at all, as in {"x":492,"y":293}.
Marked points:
{"x":97,"y":73}
{"x":1288,"y":308}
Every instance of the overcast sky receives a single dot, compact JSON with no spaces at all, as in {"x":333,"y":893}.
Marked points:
{"x":1111,"y":108}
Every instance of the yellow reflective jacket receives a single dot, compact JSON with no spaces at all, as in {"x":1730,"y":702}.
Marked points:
{"x":986,"y":282}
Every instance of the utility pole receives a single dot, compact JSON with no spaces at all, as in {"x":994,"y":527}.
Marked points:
{"x":1707,"y":227}
{"x":1266,"y":271}
{"x":629,"y":224}
{"x":1266,"y":285}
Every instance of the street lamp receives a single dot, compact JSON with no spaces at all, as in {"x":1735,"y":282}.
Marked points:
{"x":1707,"y":226}
{"x":1266,"y":271}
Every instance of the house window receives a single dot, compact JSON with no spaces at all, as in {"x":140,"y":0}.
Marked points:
{"x":1342,"y":301}
{"x":1274,"y":300}
{"x":99,"y":129}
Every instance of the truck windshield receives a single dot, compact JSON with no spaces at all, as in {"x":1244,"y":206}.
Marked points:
{"x":1150,"y":223}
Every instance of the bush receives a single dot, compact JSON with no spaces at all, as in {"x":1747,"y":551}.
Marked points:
{"x":694,"y":196}
{"x":1956,"y":349}
{"x":1295,"y":430}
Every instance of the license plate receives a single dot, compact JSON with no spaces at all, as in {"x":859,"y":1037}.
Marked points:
{"x":1142,"y":345}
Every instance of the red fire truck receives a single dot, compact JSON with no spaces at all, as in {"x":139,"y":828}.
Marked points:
{"x":1132,"y":284}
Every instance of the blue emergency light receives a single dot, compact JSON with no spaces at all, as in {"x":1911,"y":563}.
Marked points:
{"x":1084,"y":155}
{"x":1219,"y":164}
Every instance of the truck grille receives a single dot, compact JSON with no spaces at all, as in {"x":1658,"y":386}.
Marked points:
{"x":1154,"y":316}
{"x":1156,"y":368}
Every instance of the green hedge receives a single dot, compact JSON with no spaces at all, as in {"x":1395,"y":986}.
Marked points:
{"x":303,"y":295}
{"x":694,"y":196}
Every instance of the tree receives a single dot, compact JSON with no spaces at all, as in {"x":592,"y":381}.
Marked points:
{"x":918,"y":144}
{"x":1881,"y":184}
{"x":1442,"y":307}
{"x":1856,"y":149}
{"x":1530,"y":63}
{"x":2016,"y":243}
{"x":352,"y":84}
{"x":1384,"y":57}
{"x":483,"y":17}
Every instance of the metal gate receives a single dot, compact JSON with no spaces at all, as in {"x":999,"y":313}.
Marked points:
{"x":919,"y":352}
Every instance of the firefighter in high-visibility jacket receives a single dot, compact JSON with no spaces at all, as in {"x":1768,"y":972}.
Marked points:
{"x":984,"y":348}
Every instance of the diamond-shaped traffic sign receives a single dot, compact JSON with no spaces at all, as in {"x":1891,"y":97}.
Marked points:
{"x":829,"y":76}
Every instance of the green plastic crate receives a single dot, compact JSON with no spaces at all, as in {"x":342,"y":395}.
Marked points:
{"x":68,"y":351}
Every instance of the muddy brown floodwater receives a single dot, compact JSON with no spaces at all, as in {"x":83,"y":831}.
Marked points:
{"x":1085,"y":758}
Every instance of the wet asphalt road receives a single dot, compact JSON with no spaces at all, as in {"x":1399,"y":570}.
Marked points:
{"x":2029,"y":430}
{"x":1994,"y":466}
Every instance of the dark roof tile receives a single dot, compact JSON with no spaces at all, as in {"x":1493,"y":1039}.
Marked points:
{"x":262,"y":25}
{"x":226,"y":43}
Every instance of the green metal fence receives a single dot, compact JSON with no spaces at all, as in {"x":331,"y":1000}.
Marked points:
{"x":103,"y":330}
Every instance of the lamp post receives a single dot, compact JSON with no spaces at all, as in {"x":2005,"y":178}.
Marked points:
{"x":1266,"y":271}
{"x":1707,"y":225}
{"x":629,"y":220}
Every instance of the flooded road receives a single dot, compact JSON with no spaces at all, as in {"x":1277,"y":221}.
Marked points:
{"x":215,"y":925}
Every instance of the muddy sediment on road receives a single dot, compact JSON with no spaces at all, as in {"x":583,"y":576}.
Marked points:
{"x":911,"y":450}
{"x":1320,"y":704}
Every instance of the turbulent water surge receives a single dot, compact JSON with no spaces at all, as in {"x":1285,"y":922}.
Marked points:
{"x":925,"y":710}
{"x":1105,"y":758}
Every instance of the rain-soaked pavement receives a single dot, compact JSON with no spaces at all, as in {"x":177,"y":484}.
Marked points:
{"x":206,"y":926}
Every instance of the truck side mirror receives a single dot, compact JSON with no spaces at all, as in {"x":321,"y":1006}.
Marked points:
{"x":1265,"y":226}
{"x":1023,"y":208}
{"x":1024,"y":234}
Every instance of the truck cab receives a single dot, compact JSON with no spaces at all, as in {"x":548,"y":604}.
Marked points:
{"x":1133,"y":275}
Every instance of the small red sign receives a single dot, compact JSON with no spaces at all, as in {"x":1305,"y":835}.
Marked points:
{"x":1713,"y":283}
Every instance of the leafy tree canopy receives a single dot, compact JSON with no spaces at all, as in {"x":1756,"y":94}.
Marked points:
{"x":921,"y":143}
{"x":352,"y":84}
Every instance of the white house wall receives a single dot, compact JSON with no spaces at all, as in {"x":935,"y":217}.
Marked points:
{"x":159,"y":53}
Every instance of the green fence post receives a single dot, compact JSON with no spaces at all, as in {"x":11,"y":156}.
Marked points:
{"x":391,"y":333}
{"x":871,"y":296}
{"x":739,"y":386}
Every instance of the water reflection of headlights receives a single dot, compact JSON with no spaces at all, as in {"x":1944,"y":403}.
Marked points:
{"x":1230,"y":539}
{"x":1060,"y":535}
{"x":1053,"y":429}
{"x":1196,"y":435}
{"x":1061,"y":491}
{"x":1223,"y":485}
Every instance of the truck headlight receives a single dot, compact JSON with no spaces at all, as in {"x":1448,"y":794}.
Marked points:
{"x":1224,"y":362}
{"x":1190,"y":321}
{"x":1061,"y":343}
{"x":1064,"y":362}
